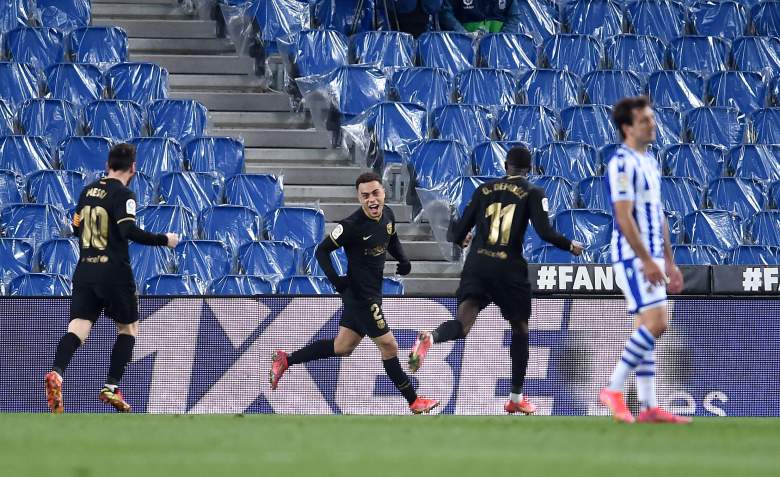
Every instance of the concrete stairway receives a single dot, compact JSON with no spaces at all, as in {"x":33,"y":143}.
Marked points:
{"x":279,"y":141}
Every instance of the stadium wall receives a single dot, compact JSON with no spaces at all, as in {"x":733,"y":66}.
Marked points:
{"x":211,"y":355}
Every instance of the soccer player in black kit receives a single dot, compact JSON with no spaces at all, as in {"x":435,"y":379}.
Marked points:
{"x":366,"y":236}
{"x":104,"y":222}
{"x":495,"y":270}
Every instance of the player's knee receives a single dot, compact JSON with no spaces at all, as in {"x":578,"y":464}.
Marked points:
{"x":388,"y":348}
{"x":128,"y":329}
{"x":519,"y":327}
{"x":343,"y":349}
{"x":80,"y":328}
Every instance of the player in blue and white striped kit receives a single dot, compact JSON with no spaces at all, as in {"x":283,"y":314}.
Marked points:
{"x":642,"y":258}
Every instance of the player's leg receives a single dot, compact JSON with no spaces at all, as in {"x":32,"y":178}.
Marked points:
{"x":515,"y":305}
{"x":123,"y":309}
{"x":450,"y":330}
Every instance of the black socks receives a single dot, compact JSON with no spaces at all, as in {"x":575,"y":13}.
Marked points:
{"x":399,"y":378}
{"x":518,"y":351}
{"x":318,"y":350}
{"x":121,"y":355}
{"x":67,"y":347}
{"x":448,"y":331}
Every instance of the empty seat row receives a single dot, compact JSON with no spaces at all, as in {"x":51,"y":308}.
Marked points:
{"x":63,"y":14}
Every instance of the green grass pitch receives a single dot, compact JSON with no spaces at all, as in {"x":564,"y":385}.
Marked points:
{"x":85,"y":445}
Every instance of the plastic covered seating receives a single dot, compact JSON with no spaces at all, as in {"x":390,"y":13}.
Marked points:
{"x":551,"y":254}
{"x":39,"y":284}
{"x":173,"y":285}
{"x":756,"y":53}
{"x":700,"y":162}
{"x":556,"y":89}
{"x":727,"y":19}
{"x":766,"y":18}
{"x":485,"y":86}
{"x":65,"y":15}
{"x":305,"y":285}
{"x":160,"y":219}
{"x":578,"y":54}
{"x":262,"y":193}
{"x":57,"y":187}
{"x":467,"y":123}
{"x":429,"y":87}
{"x":38,"y":222}
{"x":610,"y":86}
{"x":351,"y":89}
{"x":143,"y":187}
{"x":641,"y":54}
{"x":755,"y":255}
{"x":273,"y":260}
{"x":53,"y":119}
{"x":742,"y":196}
{"x":591,"y":124}
{"x":764,"y":228}
{"x":392,"y":287}
{"x":301,"y":226}
{"x":194,"y":190}
{"x":113,"y":118}
{"x":774,"y":195}
{"x":488,"y":158}
{"x":450,"y":51}
{"x":233,"y":225}
{"x":240,"y":285}
{"x":716,"y":125}
{"x":18,"y":83}
{"x":78,"y":83}
{"x":572,"y":160}
{"x":343,"y":15}
{"x":509,"y":51}
{"x":605,"y":153}
{"x":156,"y":156}
{"x":338,"y":258}
{"x":13,"y":14}
{"x":765,"y":126}
{"x":222,"y":154}
{"x":207,"y":259}
{"x":87,"y":154}
{"x":681,"y":195}
{"x":147,"y":261}
{"x":720,"y":228}
{"x":668,"y":128}
{"x":39,"y":47}
{"x":743,"y":90}
{"x":24,"y":154}
{"x":599,"y":18}
{"x":697,"y":255}
{"x":682,"y":90}
{"x":593,"y":193}
{"x":390,"y":127}
{"x":532,"y":125}
{"x":7,"y":120}
{"x":459,"y":191}
{"x":139,"y":82}
{"x":10,"y":187}
{"x":591,"y":227}
{"x":662,"y":18}
{"x":280,"y":18}
{"x":16,"y":258}
{"x":314,"y":52}
{"x":538,"y":18}
{"x":181,"y":119}
{"x":755,"y":161}
{"x":706,"y":54}
{"x":101,"y":46}
{"x":382,"y":48}
{"x":558,"y":190}
{"x":58,"y":256}
{"x":436,"y":162}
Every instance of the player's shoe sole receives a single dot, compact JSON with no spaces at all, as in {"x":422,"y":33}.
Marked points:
{"x":115,"y":400}
{"x":525,"y":407}
{"x":656,"y":415}
{"x":420,"y":351}
{"x":53,"y":382}
{"x":423,"y":405}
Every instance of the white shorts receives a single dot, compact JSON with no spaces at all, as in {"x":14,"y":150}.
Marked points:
{"x":640,"y":294}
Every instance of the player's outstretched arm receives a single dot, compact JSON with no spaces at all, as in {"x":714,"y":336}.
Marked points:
{"x":322,"y":254}
{"x":459,"y":229}
{"x":124,"y":214}
{"x":541,"y":222}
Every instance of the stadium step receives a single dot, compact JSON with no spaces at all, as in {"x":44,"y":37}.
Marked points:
{"x":310,"y":174}
{"x":330,"y":192}
{"x":233,"y":101}
{"x":200,"y":64}
{"x":233,"y":83}
{"x":427,"y":269}
{"x":183,"y":46}
{"x":157,"y":11}
{"x":274,"y":159}
{"x":338,"y":211}
{"x":406,"y":230}
{"x":164,"y":28}
{"x":438,"y":286}
{"x":272,"y":120}
{"x":298,"y":138}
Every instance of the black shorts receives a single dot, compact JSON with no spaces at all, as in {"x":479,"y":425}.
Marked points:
{"x":120,"y":302}
{"x":506,"y":286}
{"x":364,"y":317}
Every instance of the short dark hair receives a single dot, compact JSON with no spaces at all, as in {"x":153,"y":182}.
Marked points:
{"x":519,"y":157}
{"x":121,"y":157}
{"x":623,"y":112}
{"x":367,"y":177}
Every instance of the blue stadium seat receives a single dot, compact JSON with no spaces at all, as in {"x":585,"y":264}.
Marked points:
{"x":713,"y":126}
{"x":343,"y":15}
{"x":720,"y":228}
{"x":551,"y":254}
{"x":485,"y":86}
{"x":209,"y":153}
{"x":704,"y":54}
{"x":470,"y":124}
{"x":233,"y":225}
{"x":157,"y":155}
{"x":304,"y":285}
{"x":162,"y":219}
{"x":641,"y":54}
{"x":591,"y":227}
{"x":262,"y":193}
{"x":10,"y":187}
{"x":53,"y":119}
{"x":662,"y":18}
{"x":600,"y":18}
{"x":101,"y":46}
{"x":556,"y":89}
{"x":559,"y":192}
{"x":16,"y":258}
{"x":139,"y":82}
{"x":610,"y":86}
{"x":727,"y":19}
{"x":13,"y":14}
{"x":429,"y":87}
{"x":78,"y":83}
{"x":113,"y":118}
{"x":451,"y":51}
{"x":58,"y":256}
{"x":605,"y":153}
{"x":436,"y":162}
{"x":532,"y":125}
{"x":697,"y":255}
{"x":314,"y":52}
{"x":194,"y":190}
{"x":301,"y":226}
{"x":147,"y":261}
{"x":181,"y":119}
{"x":742,"y":196}
{"x":382,"y":48}
{"x":207,"y":259}
{"x":700,"y":162}
{"x":56,"y":187}
{"x":39,"y":284}
{"x":755,"y":255}
{"x":571,"y":160}
{"x":593,"y":193}
{"x":766,"y":18}
{"x":392,"y":287}
{"x":38,"y":222}
{"x":764,"y":228}
{"x":352,"y":89}
{"x":681,"y":195}
{"x":272,"y":260}
{"x":755,"y":161}
{"x":743,"y":90}
{"x":682,"y":90}
{"x":488,"y":158}
{"x":7,"y":120}
{"x":765,"y":126}
{"x":240,"y":285}
{"x":578,"y":54}
{"x":668,"y":126}
{"x":509,"y":51}
{"x":774,"y":195}
{"x":143,"y":187}
{"x":591,"y":124}
{"x":24,"y":154}
{"x":756,"y":53}
{"x":280,"y":18}
{"x":460,"y":190}
{"x":538,"y":18}
{"x":392,"y":127}
{"x":39,"y":47}
{"x":64,"y":15}
{"x":87,"y":154}
{"x":18,"y":83}
{"x":173,"y":285}
{"x":310,"y":265}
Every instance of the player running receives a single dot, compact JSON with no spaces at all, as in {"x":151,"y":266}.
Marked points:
{"x":641,"y":257}
{"x":366,"y":236}
{"x":103,"y":280}
{"x":495,"y":270}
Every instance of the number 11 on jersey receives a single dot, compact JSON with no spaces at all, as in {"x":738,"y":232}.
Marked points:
{"x":500,"y":222}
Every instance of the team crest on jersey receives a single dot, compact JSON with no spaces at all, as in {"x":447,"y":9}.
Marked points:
{"x":130,"y":207}
{"x":337,"y":232}
{"x":622,"y":182}
{"x":390,"y":228}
